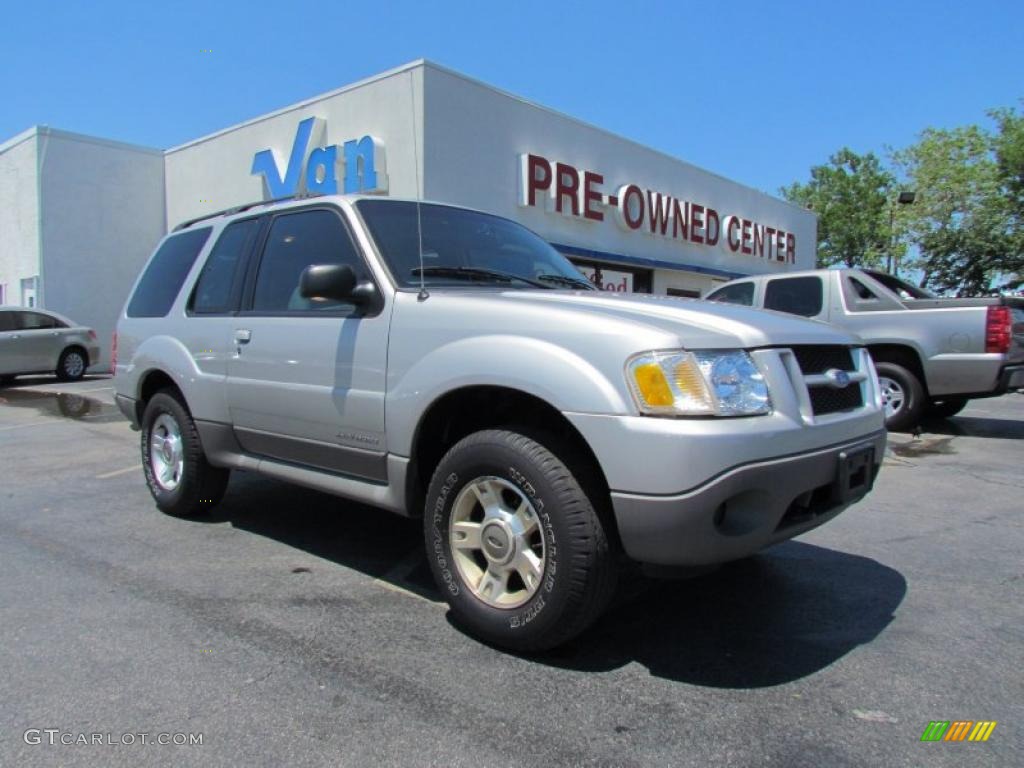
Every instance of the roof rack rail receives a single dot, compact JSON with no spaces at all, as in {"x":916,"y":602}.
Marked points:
{"x":240,"y":208}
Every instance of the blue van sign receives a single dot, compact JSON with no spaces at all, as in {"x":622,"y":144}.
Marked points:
{"x":314,"y":168}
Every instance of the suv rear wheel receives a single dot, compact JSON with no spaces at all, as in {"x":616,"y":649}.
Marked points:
{"x":182,"y":481}
{"x":515,"y":544}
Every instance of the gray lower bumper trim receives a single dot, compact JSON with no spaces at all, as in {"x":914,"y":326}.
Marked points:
{"x":127,"y":407}
{"x":740,"y":512}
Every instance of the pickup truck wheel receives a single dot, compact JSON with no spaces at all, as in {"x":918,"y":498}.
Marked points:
{"x":181,"y":480}
{"x":902,"y":396}
{"x":514,"y":543}
{"x":945,"y":407}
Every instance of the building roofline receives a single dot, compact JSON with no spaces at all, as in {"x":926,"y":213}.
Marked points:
{"x":45,"y":131}
{"x":20,"y":138}
{"x":605,"y":131}
{"x":302,"y":104}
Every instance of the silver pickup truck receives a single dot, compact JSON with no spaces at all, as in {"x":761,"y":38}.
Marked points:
{"x":932,"y":354}
{"x":447,"y":364}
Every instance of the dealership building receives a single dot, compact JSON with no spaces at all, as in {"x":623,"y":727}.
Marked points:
{"x":79,"y":215}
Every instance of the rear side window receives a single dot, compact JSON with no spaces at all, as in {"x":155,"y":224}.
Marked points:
{"x":796,"y":295}
{"x":166,"y":272}
{"x":739,"y":293}
{"x":296,"y":241}
{"x":216,"y":288}
{"x":33,"y":321}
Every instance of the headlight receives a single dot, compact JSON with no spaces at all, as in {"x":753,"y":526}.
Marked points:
{"x":699,"y":383}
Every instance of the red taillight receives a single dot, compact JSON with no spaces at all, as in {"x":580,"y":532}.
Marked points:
{"x":113,"y":353}
{"x":998,"y":328}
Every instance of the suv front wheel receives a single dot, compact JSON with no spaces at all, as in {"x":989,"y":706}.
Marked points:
{"x":182,"y":481}
{"x":515,"y":544}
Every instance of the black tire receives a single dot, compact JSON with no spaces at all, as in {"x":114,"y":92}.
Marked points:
{"x":913,"y":403}
{"x":6,"y":379}
{"x":199,"y":486}
{"x":943,"y":408}
{"x":578,"y":573}
{"x":72,"y":364}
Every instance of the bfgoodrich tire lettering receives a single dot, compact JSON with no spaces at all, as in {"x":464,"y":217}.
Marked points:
{"x":552,"y":594}
{"x":181,"y":480}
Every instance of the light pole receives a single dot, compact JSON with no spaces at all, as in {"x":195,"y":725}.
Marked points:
{"x":905,"y":197}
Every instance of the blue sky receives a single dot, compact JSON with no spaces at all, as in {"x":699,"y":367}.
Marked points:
{"x":757,"y":92}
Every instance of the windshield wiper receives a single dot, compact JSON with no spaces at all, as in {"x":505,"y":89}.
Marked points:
{"x":578,"y":282}
{"x":476,"y":273}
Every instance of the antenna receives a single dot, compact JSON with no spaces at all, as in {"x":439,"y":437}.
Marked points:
{"x":423,"y":295}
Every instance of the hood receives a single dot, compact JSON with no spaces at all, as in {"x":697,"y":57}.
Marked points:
{"x":696,"y":323}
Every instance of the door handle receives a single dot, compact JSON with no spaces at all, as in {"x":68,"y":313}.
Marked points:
{"x":243,"y":336}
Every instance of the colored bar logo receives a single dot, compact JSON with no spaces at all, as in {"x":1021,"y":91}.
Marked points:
{"x":958,"y":730}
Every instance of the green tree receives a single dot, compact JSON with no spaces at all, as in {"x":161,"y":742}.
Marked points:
{"x":962,"y":221}
{"x":1009,"y":151}
{"x":851,"y":195}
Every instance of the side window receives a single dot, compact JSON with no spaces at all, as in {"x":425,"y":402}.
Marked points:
{"x":34,"y":321}
{"x":738,"y":293}
{"x":215,"y":288}
{"x":296,"y":241}
{"x":796,"y":295}
{"x":166,"y":272}
{"x":861,"y":291}
{"x":6,"y":321}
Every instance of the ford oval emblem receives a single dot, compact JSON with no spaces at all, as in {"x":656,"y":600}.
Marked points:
{"x":837,"y":378}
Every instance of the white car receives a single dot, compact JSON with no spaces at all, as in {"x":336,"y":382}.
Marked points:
{"x":38,"y":341}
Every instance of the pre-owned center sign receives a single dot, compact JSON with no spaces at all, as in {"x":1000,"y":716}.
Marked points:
{"x":569,"y":191}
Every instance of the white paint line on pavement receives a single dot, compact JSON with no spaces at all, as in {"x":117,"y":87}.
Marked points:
{"x":116,"y":472}
{"x":31,"y":424}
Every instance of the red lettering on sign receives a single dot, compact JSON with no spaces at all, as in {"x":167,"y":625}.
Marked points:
{"x":680,"y":218}
{"x":696,"y":222}
{"x":567,"y":183}
{"x":631,"y":194}
{"x":769,"y":240}
{"x":746,"y":236}
{"x":780,"y":245}
{"x":538,"y":177}
{"x":660,"y":207}
{"x":732,"y":230}
{"x":759,"y":240}
{"x":592,"y":195}
{"x":712,"y":227}
{"x":791,"y":248}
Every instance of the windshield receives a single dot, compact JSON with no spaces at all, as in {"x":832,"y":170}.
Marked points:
{"x":463,"y":247}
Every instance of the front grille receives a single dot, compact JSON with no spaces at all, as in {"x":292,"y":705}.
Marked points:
{"x":818,"y":358}
{"x":828,"y":400}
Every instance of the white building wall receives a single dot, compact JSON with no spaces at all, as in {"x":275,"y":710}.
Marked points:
{"x":102,"y":214}
{"x":214,"y":172}
{"x":19,"y":214}
{"x":475,"y":135}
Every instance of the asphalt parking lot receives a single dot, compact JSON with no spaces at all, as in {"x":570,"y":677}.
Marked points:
{"x":291,"y":628}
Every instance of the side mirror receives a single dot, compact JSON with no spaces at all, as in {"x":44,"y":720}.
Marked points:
{"x":333,"y":282}
{"x":337,"y":282}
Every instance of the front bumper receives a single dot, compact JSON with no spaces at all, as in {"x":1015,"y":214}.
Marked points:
{"x":748,"y":507}
{"x":129,"y":407}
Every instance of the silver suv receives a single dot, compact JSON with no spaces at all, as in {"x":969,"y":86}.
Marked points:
{"x":440,"y":362}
